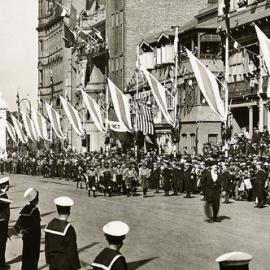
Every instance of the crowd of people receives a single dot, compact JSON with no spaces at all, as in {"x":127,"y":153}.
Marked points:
{"x":119,"y":173}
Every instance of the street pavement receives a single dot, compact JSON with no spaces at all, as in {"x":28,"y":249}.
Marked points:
{"x":165,"y":232}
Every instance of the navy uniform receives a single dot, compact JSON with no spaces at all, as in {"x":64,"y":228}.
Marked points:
{"x":110,"y":257}
{"x":234,"y":261}
{"x":29,"y":225}
{"x":4,"y":219}
{"x":60,"y":239}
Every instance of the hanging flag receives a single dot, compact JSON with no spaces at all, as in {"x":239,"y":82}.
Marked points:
{"x":208,"y":85}
{"x":72,"y":18}
{"x":144,"y":120}
{"x":29,"y":127}
{"x":98,"y":34}
{"x":121,"y":105}
{"x":69,"y":37}
{"x":40,"y":125}
{"x":159,"y":94}
{"x":73,"y":116}
{"x":119,"y":131}
{"x":11,"y":131}
{"x":55,"y":121}
{"x":19,"y":130}
{"x":94,"y":110}
{"x":264,"y":46}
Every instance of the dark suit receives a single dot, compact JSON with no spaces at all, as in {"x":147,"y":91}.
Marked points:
{"x":259,"y":187}
{"x":212,"y":192}
{"x":226,"y":185}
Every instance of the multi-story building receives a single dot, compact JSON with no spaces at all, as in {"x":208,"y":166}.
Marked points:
{"x":63,"y":72}
{"x":198,"y":123}
{"x":248,"y":79}
{"x":130,"y":21}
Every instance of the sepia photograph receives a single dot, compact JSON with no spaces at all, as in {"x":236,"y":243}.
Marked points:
{"x":135,"y":134}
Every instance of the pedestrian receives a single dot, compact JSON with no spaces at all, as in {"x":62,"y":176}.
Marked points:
{"x":110,"y":257}
{"x":212,"y":181}
{"x":28,"y":224}
{"x":60,"y":239}
{"x":144,"y":174}
{"x":4,"y":219}
{"x":226,"y":182}
{"x":167,"y":176}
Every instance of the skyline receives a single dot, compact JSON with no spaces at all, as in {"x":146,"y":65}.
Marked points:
{"x":19,"y":46}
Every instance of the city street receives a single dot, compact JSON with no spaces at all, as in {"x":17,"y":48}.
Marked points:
{"x":165,"y":232}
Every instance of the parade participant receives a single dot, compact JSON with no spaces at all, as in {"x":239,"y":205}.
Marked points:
{"x":80,"y":177}
{"x":155,"y":177}
{"x":130,"y":177}
{"x":4,"y":219}
{"x":118,"y":172}
{"x":167,"y":175}
{"x":28,"y":225}
{"x":187,"y":180}
{"x":259,"y":185}
{"x":176,"y":176}
{"x":212,"y":181}
{"x":144,"y":174}
{"x":110,"y":258}
{"x":226,"y":182}
{"x":91,"y":180}
{"x":60,"y":239}
{"x":234,"y":261}
{"x":107,"y":180}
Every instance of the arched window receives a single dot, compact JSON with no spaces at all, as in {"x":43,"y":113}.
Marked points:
{"x":193,"y":143}
{"x":184,"y":140}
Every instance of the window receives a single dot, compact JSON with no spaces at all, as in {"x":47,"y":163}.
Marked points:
{"x":193,"y":143}
{"x":41,"y":78}
{"x":212,"y":138}
{"x":184,"y":140}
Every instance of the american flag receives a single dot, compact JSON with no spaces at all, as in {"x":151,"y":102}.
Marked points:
{"x":145,"y":119}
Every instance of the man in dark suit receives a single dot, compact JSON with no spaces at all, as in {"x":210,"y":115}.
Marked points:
{"x":259,"y":185}
{"x":212,"y":181}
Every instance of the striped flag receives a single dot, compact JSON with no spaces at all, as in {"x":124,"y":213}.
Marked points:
{"x":11,"y":131}
{"x":73,"y":116}
{"x":19,"y":130}
{"x":29,"y":127}
{"x":121,"y":105}
{"x":159,"y":94}
{"x":94,"y":110}
{"x":40,"y":125}
{"x":208,"y":85}
{"x":145,"y":120}
{"x":264,"y":46}
{"x":55,"y":121}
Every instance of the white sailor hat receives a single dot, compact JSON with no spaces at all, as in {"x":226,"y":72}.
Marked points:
{"x":30,"y":194}
{"x":233,"y":259}
{"x":4,"y":180}
{"x":64,"y":201}
{"x":116,"y":228}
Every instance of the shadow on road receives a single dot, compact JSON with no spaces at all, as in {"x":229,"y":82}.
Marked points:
{"x":138,"y":264}
{"x":47,"y":213}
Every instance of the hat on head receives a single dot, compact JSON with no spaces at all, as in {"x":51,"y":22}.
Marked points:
{"x":64,"y":201}
{"x":4,"y":180}
{"x":30,"y":194}
{"x":234,"y":259}
{"x":116,"y":228}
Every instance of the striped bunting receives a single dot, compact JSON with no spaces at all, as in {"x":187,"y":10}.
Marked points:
{"x":29,"y":127}
{"x":145,"y":120}
{"x":73,"y":116}
{"x":159,"y":94}
{"x":208,"y":85}
{"x":121,"y":105}
{"x":11,"y":131}
{"x":40,"y":125}
{"x":18,"y":128}
{"x":94,"y":110}
{"x":55,"y":121}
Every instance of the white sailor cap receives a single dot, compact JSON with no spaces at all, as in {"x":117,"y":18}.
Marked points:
{"x":233,"y":259}
{"x":116,"y":228}
{"x":30,"y":194}
{"x":4,"y":180}
{"x":64,"y":201}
